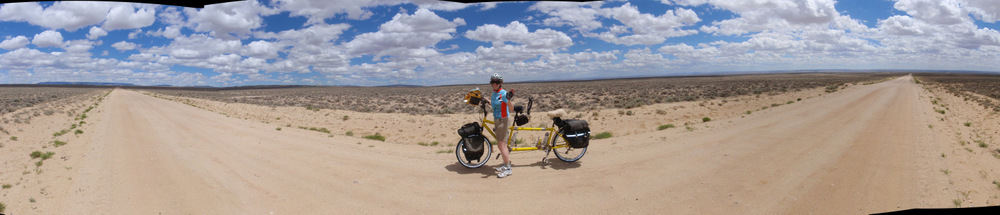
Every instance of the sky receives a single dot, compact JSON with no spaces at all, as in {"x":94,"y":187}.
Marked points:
{"x":427,"y":42}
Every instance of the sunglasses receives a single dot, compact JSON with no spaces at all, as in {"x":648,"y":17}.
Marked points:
{"x":496,"y":82}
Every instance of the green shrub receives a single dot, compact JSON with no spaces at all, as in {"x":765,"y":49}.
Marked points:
{"x":7,"y":186}
{"x":60,"y":133}
{"x":602,"y":135}
{"x":78,"y":131}
{"x":375,"y":136}
{"x":706,"y":119}
{"x":35,"y":154}
{"x":665,"y":126}
{"x":13,"y":138}
{"x":58,"y":143}
{"x":47,"y":155}
{"x":350,"y":133}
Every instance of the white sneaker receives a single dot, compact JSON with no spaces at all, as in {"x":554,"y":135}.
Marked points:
{"x":506,"y":172}
{"x":501,"y":168}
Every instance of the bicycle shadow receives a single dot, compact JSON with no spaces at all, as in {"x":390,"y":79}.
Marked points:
{"x":485,"y":170}
{"x":555,"y":164}
{"x":488,"y":171}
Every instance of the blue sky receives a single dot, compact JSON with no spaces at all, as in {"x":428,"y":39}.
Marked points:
{"x":426,"y":42}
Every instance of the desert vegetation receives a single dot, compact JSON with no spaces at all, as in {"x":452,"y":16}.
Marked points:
{"x":573,"y":95}
{"x":975,"y":87}
{"x":15,"y":97}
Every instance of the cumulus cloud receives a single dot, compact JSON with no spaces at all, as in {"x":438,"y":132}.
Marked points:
{"x":228,"y":20}
{"x":581,"y":16}
{"x":48,"y":38}
{"x":96,"y":32}
{"x":985,"y":10}
{"x":124,"y":46}
{"x":263,"y":49}
{"x":518,"y":33}
{"x":637,"y":28}
{"x":405,"y":36}
{"x":68,"y":15}
{"x":125,"y":16}
{"x":775,"y":15}
{"x":318,"y":10}
{"x":12,"y":43}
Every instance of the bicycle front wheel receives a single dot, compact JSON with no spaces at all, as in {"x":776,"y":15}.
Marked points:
{"x":564,"y":152}
{"x":473,"y":160}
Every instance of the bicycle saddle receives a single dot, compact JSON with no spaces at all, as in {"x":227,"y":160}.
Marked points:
{"x":556,"y":113}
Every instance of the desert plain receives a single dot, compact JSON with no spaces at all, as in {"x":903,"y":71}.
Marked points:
{"x":840,"y":144}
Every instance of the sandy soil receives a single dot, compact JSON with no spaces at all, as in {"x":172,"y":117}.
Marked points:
{"x":864,"y":149}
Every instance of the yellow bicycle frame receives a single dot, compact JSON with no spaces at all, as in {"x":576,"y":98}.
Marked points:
{"x":510,"y":136}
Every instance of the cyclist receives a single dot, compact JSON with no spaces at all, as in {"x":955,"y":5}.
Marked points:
{"x":500,"y":101}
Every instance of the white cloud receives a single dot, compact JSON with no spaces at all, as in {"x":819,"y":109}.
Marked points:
{"x":581,"y":16}
{"x":68,"y":15}
{"x":263,"y":49}
{"x":14,"y":43}
{"x":637,"y":29}
{"x":48,"y":38}
{"x":127,"y":16}
{"x":943,"y":12}
{"x":985,"y":10}
{"x":312,"y":35}
{"x":228,"y":20}
{"x":171,"y":32}
{"x":25,"y":59}
{"x":124,"y":46}
{"x":405,"y":36}
{"x":773,"y":15}
{"x":96,"y":32}
{"x":518,"y":33}
{"x":648,"y":29}
{"x":189,"y":49}
{"x":316,"y":11}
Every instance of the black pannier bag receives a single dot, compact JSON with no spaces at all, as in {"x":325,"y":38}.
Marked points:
{"x":470,"y":129}
{"x":472,"y":135}
{"x":520,"y":120}
{"x":576,"y":132}
{"x":474,"y":145}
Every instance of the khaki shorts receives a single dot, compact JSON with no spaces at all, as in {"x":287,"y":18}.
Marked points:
{"x":500,"y":127}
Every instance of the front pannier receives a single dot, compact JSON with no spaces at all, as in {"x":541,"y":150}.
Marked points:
{"x":470,"y":129}
{"x":474,"y":140}
{"x":474,"y":146}
{"x":576,"y":132}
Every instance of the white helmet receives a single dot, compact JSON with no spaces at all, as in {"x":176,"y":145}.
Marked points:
{"x":496,"y":77}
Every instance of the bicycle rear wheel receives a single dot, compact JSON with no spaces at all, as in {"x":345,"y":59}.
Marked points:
{"x":564,"y":152}
{"x":476,"y":162}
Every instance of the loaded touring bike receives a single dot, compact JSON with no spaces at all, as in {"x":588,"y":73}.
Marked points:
{"x":567,"y":139}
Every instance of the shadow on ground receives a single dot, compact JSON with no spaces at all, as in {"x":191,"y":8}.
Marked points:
{"x":488,"y":170}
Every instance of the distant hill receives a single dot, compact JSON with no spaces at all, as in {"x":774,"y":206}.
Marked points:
{"x":86,"y":83}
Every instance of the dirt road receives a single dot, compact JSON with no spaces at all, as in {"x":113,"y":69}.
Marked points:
{"x":862,"y":150}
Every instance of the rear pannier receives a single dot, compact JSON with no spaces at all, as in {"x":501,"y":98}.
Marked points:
{"x":576,"y":132}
